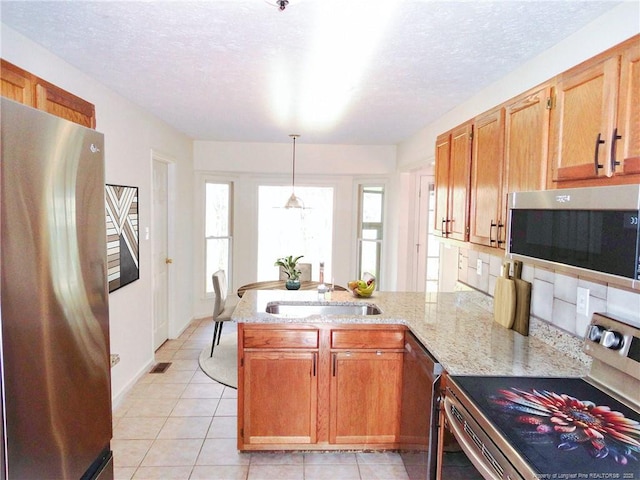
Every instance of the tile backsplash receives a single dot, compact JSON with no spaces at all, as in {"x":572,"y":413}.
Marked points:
{"x":553,"y":294}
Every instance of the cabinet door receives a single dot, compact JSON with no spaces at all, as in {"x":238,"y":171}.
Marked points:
{"x":280,"y":397}
{"x":63,"y":104}
{"x":526,"y":142}
{"x":526,"y":148}
{"x":459,"y":177}
{"x":627,"y":148}
{"x":583,"y":122}
{"x":366,"y":390}
{"x":17,"y":84}
{"x":443,"y":157}
{"x":486,"y":178}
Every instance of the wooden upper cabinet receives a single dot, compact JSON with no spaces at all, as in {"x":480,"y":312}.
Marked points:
{"x":579,"y":129}
{"x":24,"y":87}
{"x":510,"y":145}
{"x":526,"y":141}
{"x":63,"y":104}
{"x":458,"y":226}
{"x":443,"y":155}
{"x":627,"y":149}
{"x":453,"y":163}
{"x":594,"y":127}
{"x":582,"y":121}
{"x":486,"y":178}
{"x":17,"y":84}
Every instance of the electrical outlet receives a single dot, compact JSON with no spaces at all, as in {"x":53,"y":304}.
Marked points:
{"x":115,"y":358}
{"x":582,"y":301}
{"x":479,"y":267}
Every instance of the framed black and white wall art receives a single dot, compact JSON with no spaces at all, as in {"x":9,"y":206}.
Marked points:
{"x":122,"y":235}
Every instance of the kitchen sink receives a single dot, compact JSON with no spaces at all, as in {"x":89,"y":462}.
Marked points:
{"x":307,"y":309}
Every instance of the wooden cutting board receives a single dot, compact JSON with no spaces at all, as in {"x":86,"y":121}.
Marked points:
{"x":523,"y":300}
{"x":504,"y":299}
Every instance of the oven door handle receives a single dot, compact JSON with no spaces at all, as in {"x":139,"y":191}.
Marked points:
{"x":467,"y":444}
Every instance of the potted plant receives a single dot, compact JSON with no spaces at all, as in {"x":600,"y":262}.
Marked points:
{"x":290,"y":267}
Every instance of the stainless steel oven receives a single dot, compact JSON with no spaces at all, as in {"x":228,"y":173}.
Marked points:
{"x":536,"y":428}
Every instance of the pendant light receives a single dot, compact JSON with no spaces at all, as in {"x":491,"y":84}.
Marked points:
{"x":294,"y":202}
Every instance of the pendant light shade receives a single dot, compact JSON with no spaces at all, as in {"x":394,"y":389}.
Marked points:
{"x":294,"y":202}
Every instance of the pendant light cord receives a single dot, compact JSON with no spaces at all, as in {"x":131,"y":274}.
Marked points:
{"x":294,"y":202}
{"x":293,"y":177}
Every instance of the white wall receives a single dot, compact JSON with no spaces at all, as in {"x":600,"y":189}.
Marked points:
{"x":610,"y":29}
{"x":130,"y":136}
{"x":249,"y":165}
{"x":266,"y":158}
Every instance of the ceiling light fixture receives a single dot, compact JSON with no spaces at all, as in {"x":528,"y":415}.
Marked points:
{"x":294,"y":202}
{"x":281,"y":4}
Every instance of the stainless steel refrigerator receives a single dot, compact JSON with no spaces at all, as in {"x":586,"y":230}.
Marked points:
{"x":56,"y":380}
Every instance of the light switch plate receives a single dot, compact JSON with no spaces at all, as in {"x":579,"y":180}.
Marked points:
{"x":582,"y":301}
{"x":479,"y":267}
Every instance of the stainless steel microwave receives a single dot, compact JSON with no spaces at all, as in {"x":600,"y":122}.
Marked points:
{"x":591,"y":232}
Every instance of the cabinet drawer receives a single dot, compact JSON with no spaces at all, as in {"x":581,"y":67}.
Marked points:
{"x":367,"y":338}
{"x":280,"y":338}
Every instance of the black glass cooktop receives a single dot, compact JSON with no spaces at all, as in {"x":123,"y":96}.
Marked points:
{"x":563,"y":427}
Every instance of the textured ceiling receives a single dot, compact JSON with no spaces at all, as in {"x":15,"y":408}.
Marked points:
{"x":241,"y":70}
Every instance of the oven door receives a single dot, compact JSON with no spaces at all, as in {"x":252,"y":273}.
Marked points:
{"x":487,"y":457}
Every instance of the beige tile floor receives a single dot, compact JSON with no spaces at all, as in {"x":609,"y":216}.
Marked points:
{"x":182,"y":425}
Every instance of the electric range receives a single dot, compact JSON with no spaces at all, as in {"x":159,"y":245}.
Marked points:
{"x":553,"y":427}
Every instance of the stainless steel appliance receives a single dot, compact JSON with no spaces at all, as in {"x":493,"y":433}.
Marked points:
{"x":548,"y":428}
{"x":56,"y":384}
{"x":418,"y":423}
{"x":593,"y":231}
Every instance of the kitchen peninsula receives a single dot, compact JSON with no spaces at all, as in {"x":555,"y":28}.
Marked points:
{"x":332,"y":382}
{"x":457,"y":328}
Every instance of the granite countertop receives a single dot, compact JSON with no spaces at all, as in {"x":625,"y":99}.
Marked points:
{"x":457,"y":328}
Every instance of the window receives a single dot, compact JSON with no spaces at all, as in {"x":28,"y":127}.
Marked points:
{"x":370,"y":226}
{"x":218,"y":235}
{"x":283,"y":232}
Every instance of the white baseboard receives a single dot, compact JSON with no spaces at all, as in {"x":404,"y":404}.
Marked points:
{"x":117,"y":399}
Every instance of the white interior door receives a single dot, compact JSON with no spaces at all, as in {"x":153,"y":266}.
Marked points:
{"x":161,"y":260}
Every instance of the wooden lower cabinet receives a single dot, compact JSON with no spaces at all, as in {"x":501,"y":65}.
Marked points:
{"x":282,"y":390}
{"x":319,"y":387}
{"x":365,"y":397}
